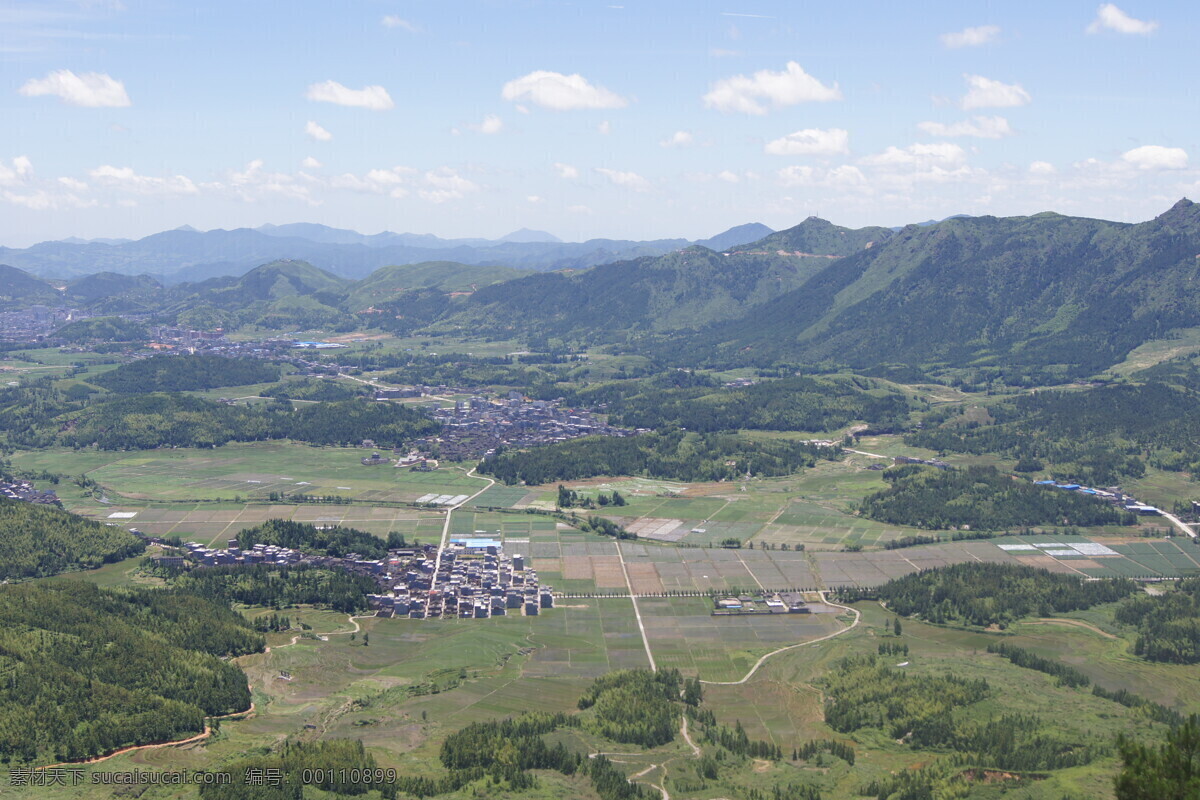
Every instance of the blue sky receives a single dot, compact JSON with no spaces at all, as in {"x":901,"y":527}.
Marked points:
{"x":623,"y":119}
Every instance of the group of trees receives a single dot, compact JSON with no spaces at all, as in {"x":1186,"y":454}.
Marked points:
{"x":861,"y":692}
{"x":981,"y":497}
{"x":1097,"y":436}
{"x":333,"y":541}
{"x":636,"y":706}
{"x":315,"y":389}
{"x":675,"y":454}
{"x":88,"y":670}
{"x":569,"y":498}
{"x":279,"y":587}
{"x":1168,"y":625}
{"x":986,"y":594}
{"x":185,"y":373}
{"x":38,"y":540}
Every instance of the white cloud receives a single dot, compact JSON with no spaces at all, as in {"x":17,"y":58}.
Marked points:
{"x":375,"y":98}
{"x":1153,"y":156}
{"x":844,"y":177}
{"x":811,"y":142}
{"x":566,"y":170}
{"x":560,"y":92}
{"x":73,"y":184}
{"x":728,"y":176}
{"x":941,"y":154}
{"x":970,"y":37}
{"x":392,"y":21}
{"x":534,"y":200}
{"x":776,"y":89}
{"x":15,"y":175}
{"x":678,"y":139}
{"x":90,"y":90}
{"x":605,"y":128}
{"x":629,"y":180}
{"x":125,"y":179}
{"x":1042,"y":168}
{"x":311,"y":163}
{"x":253,"y":182}
{"x":978,"y":127}
{"x":444,"y":184}
{"x":491,"y":124}
{"x":579,"y":209}
{"x":23,"y":166}
{"x":987,"y":93}
{"x":317,"y":132}
{"x":377,"y":181}
{"x":1109,"y":17}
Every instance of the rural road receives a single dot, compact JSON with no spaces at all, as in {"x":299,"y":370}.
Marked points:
{"x":437,"y":565}
{"x":636,"y":611}
{"x":759,"y":663}
{"x":1178,"y":523}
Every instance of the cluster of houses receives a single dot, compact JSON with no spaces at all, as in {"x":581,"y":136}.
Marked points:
{"x":414,"y":460}
{"x":25,"y":491}
{"x":475,"y":428}
{"x":473,"y":579}
{"x":469,"y":579}
{"x":763,"y":603}
{"x":1112,"y":494}
{"x":929,"y":462}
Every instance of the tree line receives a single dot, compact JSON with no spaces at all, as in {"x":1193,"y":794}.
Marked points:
{"x":38,"y":540}
{"x":184,"y":373}
{"x":981,"y":498}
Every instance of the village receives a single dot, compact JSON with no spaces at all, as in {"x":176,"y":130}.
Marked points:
{"x":468,"y":579}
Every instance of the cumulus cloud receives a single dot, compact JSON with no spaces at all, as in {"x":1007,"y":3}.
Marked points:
{"x":1109,"y":17}
{"x":393,"y":21}
{"x":390,"y":181}
{"x":90,"y":90}
{"x":375,"y":98}
{"x":970,"y":37}
{"x":978,"y":127}
{"x":728,"y":176}
{"x":491,"y":125}
{"x":758,"y":93}
{"x":317,"y":132}
{"x":311,"y":163}
{"x":678,"y":139}
{"x":1042,"y":168}
{"x":444,"y":184}
{"x":566,"y":170}
{"x":942,"y":154}
{"x":811,"y":142}
{"x":843,"y":177}
{"x":1153,"y":156}
{"x":125,"y":179}
{"x":560,"y":92}
{"x":254,"y":181}
{"x":987,"y":93}
{"x":15,"y":175}
{"x":74,"y":184}
{"x":534,"y":200}
{"x":628,"y":180}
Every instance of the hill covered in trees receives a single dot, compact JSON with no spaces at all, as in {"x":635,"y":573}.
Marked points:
{"x":1096,"y":436}
{"x":981,"y":498}
{"x":985,"y":594}
{"x":330,"y":541}
{"x":38,"y":540}
{"x":41,"y":415}
{"x":185,"y":373}
{"x":89,"y":670}
{"x":674,"y":454}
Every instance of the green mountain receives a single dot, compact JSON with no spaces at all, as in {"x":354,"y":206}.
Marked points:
{"x":112,"y":293}
{"x":19,"y":289}
{"x":818,"y":237}
{"x":1016,"y":293}
{"x":386,"y":284}
{"x":686,"y":289}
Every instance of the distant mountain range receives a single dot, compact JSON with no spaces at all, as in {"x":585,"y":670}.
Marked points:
{"x":188,"y":255}
{"x":1019,"y":295}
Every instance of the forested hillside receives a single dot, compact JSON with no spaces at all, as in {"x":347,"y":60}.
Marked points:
{"x":38,"y":540}
{"x":90,"y":670}
{"x":982,"y":499}
{"x":329,"y":541}
{"x":1096,"y":436}
{"x":1021,"y":292}
{"x":988,"y":594}
{"x":185,"y":373}
{"x":673,"y":454}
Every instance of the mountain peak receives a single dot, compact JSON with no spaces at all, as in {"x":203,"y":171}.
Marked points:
{"x":187,"y":229}
{"x":1182,"y":204}
{"x":526,"y":235}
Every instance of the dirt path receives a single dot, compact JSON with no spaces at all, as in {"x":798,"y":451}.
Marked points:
{"x":1074,"y":623}
{"x":683,"y":729}
{"x":759,"y":663}
{"x":157,"y":745}
{"x":636,"y":611}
